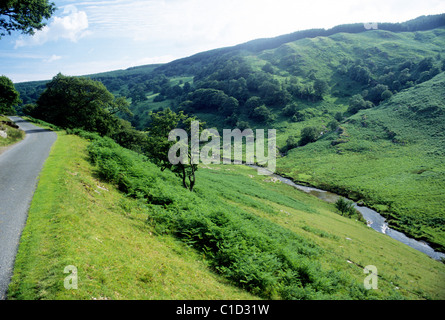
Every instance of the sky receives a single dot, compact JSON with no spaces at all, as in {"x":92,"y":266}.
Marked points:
{"x":92,"y":36}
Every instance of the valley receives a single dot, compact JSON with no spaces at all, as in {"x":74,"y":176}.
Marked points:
{"x":357,"y":112}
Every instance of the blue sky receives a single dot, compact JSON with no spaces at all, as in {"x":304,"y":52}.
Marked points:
{"x":91,"y":36}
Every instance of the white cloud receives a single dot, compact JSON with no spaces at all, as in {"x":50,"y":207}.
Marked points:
{"x":52,"y":58}
{"x":72,"y":26}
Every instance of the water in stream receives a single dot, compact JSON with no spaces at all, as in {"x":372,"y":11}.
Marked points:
{"x":373,"y":218}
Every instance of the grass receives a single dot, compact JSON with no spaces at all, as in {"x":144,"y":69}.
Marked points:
{"x":401,"y":269}
{"x":75,"y":219}
{"x":14,"y":135}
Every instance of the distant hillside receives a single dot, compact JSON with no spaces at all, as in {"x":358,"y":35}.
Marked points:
{"x":390,"y":156}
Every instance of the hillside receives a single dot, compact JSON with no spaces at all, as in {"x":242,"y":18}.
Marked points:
{"x":358,"y":112}
{"x":238,"y":236}
{"x":390,"y":156}
{"x":321,"y":78}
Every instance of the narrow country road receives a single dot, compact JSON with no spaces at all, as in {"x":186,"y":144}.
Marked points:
{"x":20,"y":166}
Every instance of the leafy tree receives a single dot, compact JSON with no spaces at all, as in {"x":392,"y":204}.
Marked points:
{"x":291,"y":143}
{"x":345,"y":207}
{"x":290,"y":110}
{"x":252,"y":103}
{"x":333,"y":125}
{"x":242,"y":125}
{"x":386,"y":94}
{"x":129,"y":137}
{"x":9,"y":96}
{"x":338,"y":116}
{"x":73,"y":102}
{"x":308,"y":135}
{"x":375,"y":93}
{"x":229,"y":106}
{"x":158,"y":144}
{"x":268,"y":68}
{"x":263,"y":114}
{"x":272,"y":94}
{"x":321,"y":87}
{"x":24,"y":15}
{"x":137,"y":94}
{"x":357,"y":103}
{"x":360,"y":74}
{"x":207,"y":99}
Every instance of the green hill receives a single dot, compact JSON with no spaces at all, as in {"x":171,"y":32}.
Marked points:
{"x":375,"y":101}
{"x":390,"y":156}
{"x":307,"y":79}
{"x":237,"y":236}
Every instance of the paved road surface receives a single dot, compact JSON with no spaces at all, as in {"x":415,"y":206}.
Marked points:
{"x":20,"y":166}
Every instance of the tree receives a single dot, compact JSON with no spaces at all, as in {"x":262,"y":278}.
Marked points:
{"x":158,"y":145}
{"x":272,"y":94}
{"x":357,"y":103}
{"x":321,"y":87}
{"x":24,"y":15}
{"x":74,"y":102}
{"x":345,"y":207}
{"x":291,"y":143}
{"x":308,"y":135}
{"x":333,"y":125}
{"x":290,"y":110}
{"x":375,"y":93}
{"x":263,"y":114}
{"x":229,"y":106}
{"x":386,"y":94}
{"x":9,"y":96}
{"x":252,"y":103}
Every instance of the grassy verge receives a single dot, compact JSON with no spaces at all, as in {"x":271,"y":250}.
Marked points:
{"x":13,"y":135}
{"x":77,"y":220}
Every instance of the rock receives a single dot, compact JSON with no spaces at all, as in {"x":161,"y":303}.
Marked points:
{"x":10,"y":124}
{"x":3,"y":134}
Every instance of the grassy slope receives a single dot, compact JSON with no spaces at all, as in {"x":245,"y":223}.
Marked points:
{"x":323,"y":56}
{"x":14,"y":135}
{"x":416,"y":275}
{"x":73,"y":220}
{"x":392,"y":159}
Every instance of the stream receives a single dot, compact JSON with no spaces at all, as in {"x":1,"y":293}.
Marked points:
{"x":373,"y":218}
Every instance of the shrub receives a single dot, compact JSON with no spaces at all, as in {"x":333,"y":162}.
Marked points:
{"x":308,"y":135}
{"x":345,"y":207}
